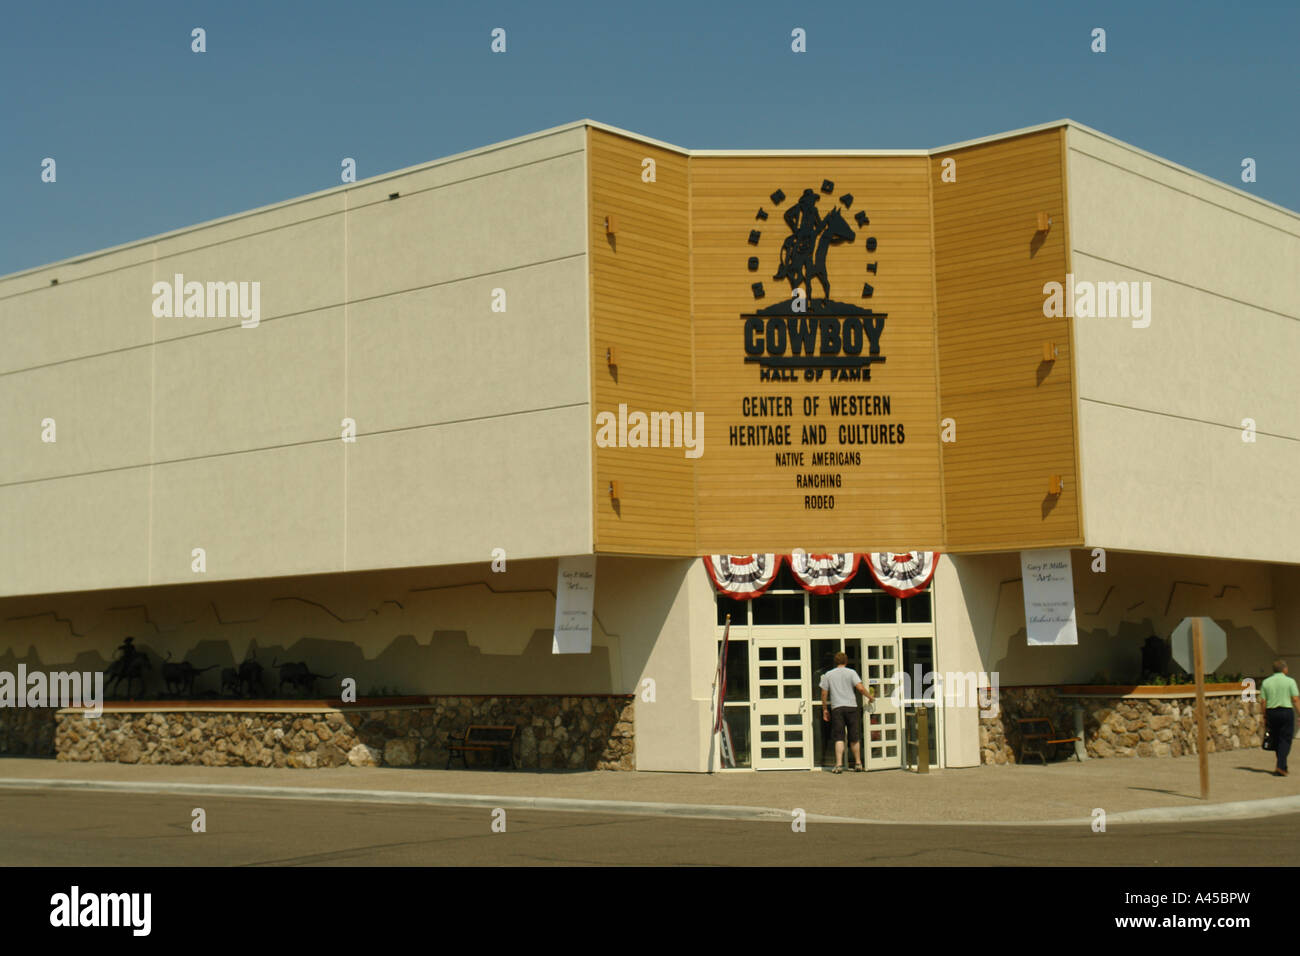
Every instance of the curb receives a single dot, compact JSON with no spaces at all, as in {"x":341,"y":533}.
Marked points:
{"x":1239,"y":810}
{"x":417,"y":798}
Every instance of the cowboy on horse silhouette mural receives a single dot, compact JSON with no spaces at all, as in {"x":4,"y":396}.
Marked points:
{"x":803,"y":254}
{"x":129,"y":667}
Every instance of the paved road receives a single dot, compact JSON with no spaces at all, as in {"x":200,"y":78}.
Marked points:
{"x":103,"y":829}
{"x":1032,"y":793}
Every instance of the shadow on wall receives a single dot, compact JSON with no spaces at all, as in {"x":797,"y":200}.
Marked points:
{"x":1119,"y":656}
{"x":446,"y":664}
{"x":412,"y":631}
{"x":1117,"y":608}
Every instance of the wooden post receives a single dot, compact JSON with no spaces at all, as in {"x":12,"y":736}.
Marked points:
{"x":719,"y":678}
{"x":922,"y":739}
{"x":1202,"y":727}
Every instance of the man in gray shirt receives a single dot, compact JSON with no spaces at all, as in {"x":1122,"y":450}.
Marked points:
{"x":840,"y":707}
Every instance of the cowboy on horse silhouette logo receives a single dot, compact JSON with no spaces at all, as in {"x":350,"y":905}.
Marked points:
{"x":803,"y":254}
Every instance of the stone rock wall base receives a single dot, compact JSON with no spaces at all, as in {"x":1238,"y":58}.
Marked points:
{"x":562,"y":733}
{"x":1121,"y":726}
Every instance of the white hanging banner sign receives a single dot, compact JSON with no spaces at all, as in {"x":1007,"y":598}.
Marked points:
{"x":575,"y":596}
{"x":1049,"y":597}
{"x":902,"y":573}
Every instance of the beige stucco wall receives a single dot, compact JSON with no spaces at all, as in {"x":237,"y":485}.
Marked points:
{"x":980,"y":618}
{"x":1164,"y":467}
{"x":663,"y":612}
{"x":447,"y":630}
{"x":462,"y":629}
{"x":960,"y":615}
{"x":1286,"y":605}
{"x":183,"y":433}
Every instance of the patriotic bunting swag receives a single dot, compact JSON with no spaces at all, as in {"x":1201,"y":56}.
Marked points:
{"x":745,"y":576}
{"x":903,"y":573}
{"x":742,"y":576}
{"x":823,"y":573}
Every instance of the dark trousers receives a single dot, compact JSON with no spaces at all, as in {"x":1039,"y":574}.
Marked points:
{"x":846,"y":720}
{"x":1281,"y":727}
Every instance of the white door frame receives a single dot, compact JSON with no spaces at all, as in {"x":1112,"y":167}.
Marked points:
{"x":882,"y":722}
{"x":779,"y":658}
{"x":845,"y":634}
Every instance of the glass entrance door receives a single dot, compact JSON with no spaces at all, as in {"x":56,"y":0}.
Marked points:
{"x":788,"y":636}
{"x":881,"y":719}
{"x":781,"y":727}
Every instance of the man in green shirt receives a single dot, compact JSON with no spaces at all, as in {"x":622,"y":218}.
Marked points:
{"x":1279,"y":700}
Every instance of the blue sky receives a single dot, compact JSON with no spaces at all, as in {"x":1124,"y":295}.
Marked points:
{"x":149,"y":136}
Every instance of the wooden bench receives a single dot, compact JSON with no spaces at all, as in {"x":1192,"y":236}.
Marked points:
{"x":1036,"y":735}
{"x":484,"y":738}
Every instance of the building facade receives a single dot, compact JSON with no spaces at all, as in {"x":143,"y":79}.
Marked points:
{"x":369,"y":434}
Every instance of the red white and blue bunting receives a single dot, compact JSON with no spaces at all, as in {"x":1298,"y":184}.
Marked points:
{"x":903,"y":573}
{"x":745,"y":576}
{"x":742,"y":576}
{"x":824,"y":573}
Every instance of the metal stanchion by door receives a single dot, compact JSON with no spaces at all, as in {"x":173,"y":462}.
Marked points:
{"x":917,"y":735}
{"x":922,"y":739}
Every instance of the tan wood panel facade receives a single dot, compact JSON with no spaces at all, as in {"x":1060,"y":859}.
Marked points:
{"x":1014,"y":413}
{"x":640,"y":305}
{"x":882,"y":487}
{"x":956,"y":272}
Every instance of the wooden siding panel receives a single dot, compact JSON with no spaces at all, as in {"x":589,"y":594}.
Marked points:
{"x":1014,"y":414}
{"x":960,"y":275}
{"x":746,"y":502}
{"x":640,"y":304}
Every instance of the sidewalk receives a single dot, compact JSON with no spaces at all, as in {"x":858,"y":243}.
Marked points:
{"x":1165,"y":789}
